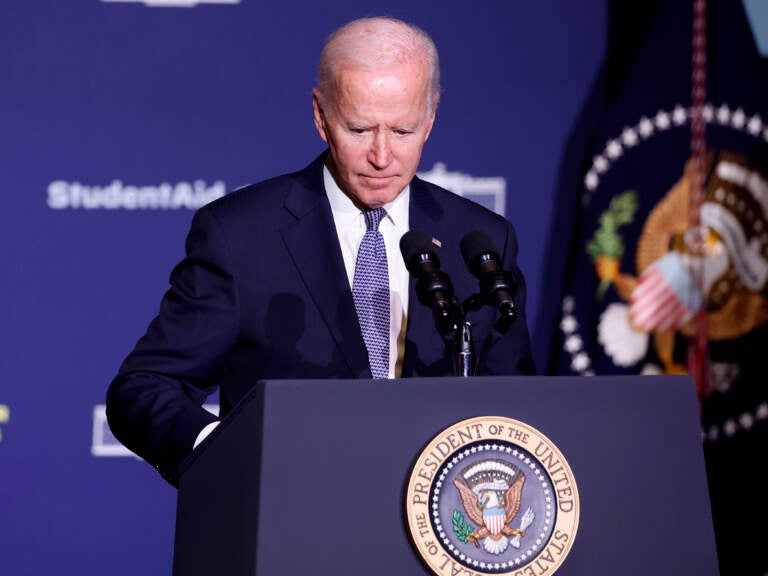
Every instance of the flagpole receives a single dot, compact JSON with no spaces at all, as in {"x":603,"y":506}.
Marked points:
{"x":698,"y":346}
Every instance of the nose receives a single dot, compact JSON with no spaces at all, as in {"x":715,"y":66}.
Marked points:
{"x":380,"y":152}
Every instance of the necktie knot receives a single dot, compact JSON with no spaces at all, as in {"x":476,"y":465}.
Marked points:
{"x":373,"y":218}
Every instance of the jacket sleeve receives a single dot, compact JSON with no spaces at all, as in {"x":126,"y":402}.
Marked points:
{"x":154,"y":404}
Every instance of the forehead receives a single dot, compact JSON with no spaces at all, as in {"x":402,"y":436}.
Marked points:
{"x":400,"y":90}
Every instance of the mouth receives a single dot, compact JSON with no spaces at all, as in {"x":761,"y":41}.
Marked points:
{"x":378,"y":176}
{"x":378,"y":181}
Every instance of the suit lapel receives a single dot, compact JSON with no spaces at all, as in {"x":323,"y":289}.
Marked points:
{"x":314,"y":247}
{"x":425,"y":211}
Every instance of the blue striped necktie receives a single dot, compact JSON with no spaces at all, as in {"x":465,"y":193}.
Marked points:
{"x":370,"y":291}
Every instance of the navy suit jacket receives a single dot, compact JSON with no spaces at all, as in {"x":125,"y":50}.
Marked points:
{"x":263,"y":294}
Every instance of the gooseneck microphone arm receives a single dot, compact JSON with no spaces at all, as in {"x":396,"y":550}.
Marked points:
{"x":434,"y":289}
{"x":497,"y":286}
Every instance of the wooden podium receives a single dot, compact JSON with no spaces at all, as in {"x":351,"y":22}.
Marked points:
{"x":309,"y":476}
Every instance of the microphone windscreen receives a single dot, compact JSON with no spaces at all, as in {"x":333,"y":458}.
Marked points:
{"x":415,"y":242}
{"x":474,"y":244}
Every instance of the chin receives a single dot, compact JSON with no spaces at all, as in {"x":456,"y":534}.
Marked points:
{"x":374,"y":197}
{"x":378,"y":199}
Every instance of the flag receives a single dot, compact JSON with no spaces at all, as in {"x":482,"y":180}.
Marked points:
{"x":634,"y":277}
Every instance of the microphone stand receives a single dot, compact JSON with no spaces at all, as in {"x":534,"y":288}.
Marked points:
{"x":456,"y":331}
{"x":465,"y":359}
{"x":466,"y":363}
{"x":457,"y":337}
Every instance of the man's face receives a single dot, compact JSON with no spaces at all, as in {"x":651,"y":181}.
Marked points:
{"x":375,"y":123}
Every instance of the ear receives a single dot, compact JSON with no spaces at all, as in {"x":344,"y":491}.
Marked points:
{"x":319,"y":115}
{"x":431,"y":121}
{"x":429,"y":127}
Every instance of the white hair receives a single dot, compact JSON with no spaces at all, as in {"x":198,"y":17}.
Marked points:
{"x":378,"y":42}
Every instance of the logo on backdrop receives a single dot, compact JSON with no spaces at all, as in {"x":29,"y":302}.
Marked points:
{"x":118,"y":196}
{"x":5,"y":416}
{"x":488,"y":192}
{"x":175,"y":3}
{"x":491,"y":495}
{"x":63,"y":195}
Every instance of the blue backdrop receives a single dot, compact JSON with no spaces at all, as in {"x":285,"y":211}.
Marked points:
{"x":118,"y":119}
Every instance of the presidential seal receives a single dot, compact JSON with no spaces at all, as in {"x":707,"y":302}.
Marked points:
{"x":491,"y":495}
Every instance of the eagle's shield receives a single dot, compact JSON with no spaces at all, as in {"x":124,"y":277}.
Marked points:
{"x":494,"y":519}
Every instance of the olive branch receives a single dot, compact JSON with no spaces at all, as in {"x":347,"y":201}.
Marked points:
{"x":606,"y":245}
{"x":460,"y":526}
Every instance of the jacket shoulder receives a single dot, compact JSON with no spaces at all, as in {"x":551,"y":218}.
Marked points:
{"x":454,"y":205}
{"x":271,"y":194}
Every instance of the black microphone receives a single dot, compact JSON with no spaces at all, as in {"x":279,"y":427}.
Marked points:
{"x":497,"y":286}
{"x":433,"y":287}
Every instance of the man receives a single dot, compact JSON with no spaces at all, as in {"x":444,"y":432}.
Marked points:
{"x":268,"y":287}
